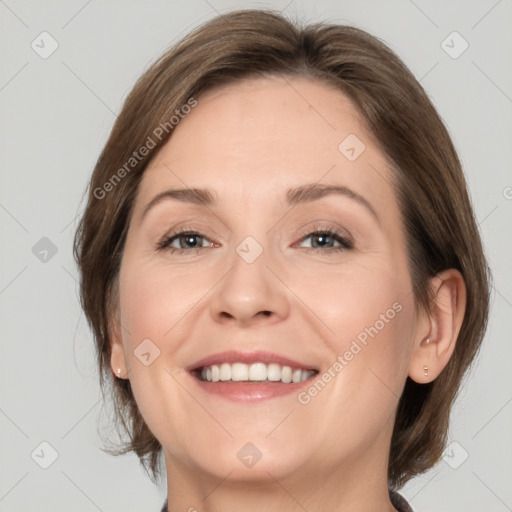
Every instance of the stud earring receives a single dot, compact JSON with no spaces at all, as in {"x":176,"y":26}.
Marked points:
{"x":426,"y":370}
{"x":427,"y":341}
{"x":119,"y":372}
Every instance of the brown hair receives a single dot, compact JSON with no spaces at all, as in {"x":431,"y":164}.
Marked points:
{"x":429,"y":182}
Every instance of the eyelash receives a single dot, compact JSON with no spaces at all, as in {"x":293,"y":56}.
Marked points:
{"x":346,"y":244}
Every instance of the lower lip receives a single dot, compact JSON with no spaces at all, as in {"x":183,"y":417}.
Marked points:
{"x":249,"y":391}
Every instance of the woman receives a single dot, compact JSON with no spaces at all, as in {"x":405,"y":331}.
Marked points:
{"x":282,"y":270}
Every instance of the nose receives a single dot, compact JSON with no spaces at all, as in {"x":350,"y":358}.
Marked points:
{"x":250,"y":293}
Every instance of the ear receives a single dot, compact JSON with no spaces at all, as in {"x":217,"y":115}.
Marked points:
{"x":436,"y":341}
{"x":117,"y":357}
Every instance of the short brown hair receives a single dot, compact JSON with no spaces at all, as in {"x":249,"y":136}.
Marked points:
{"x":427,"y":174}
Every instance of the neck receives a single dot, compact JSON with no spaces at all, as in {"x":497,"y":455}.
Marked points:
{"x":353,"y":485}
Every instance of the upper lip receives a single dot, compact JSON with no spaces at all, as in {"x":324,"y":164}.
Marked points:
{"x":258,"y":356}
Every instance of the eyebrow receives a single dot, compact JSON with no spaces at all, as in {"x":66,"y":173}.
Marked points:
{"x":294,"y":196}
{"x":314,"y":191}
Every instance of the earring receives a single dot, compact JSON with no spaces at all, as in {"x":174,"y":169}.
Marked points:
{"x":426,"y":370}
{"x":119,"y":372}
{"x":427,"y":341}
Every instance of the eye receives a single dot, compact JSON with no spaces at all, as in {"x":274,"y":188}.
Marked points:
{"x":183,"y":240}
{"x":326,"y":238}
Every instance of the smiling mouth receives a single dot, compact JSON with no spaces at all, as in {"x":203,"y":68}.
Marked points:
{"x":254,"y":373}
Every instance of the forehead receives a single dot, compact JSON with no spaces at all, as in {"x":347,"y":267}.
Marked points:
{"x":249,"y":139}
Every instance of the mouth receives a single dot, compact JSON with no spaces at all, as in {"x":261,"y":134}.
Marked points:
{"x":247,"y":377}
{"x":257,"y":372}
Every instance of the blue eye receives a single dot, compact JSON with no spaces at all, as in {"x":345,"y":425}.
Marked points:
{"x":188,"y":239}
{"x":325,"y":238}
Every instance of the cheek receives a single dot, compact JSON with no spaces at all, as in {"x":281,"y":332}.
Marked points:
{"x":154,"y":301}
{"x":365,"y":316}
{"x":154,"y":304}
{"x":349,"y":300}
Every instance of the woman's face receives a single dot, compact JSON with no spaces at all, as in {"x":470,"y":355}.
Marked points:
{"x":260,"y":273}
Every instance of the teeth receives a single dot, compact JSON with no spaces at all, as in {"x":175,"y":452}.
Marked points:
{"x":258,"y":371}
{"x":254,"y":372}
{"x":225,"y":372}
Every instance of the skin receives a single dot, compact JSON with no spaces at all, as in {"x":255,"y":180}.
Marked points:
{"x":248,"y":143}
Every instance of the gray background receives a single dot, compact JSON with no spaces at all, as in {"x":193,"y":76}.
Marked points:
{"x":56,"y":114}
